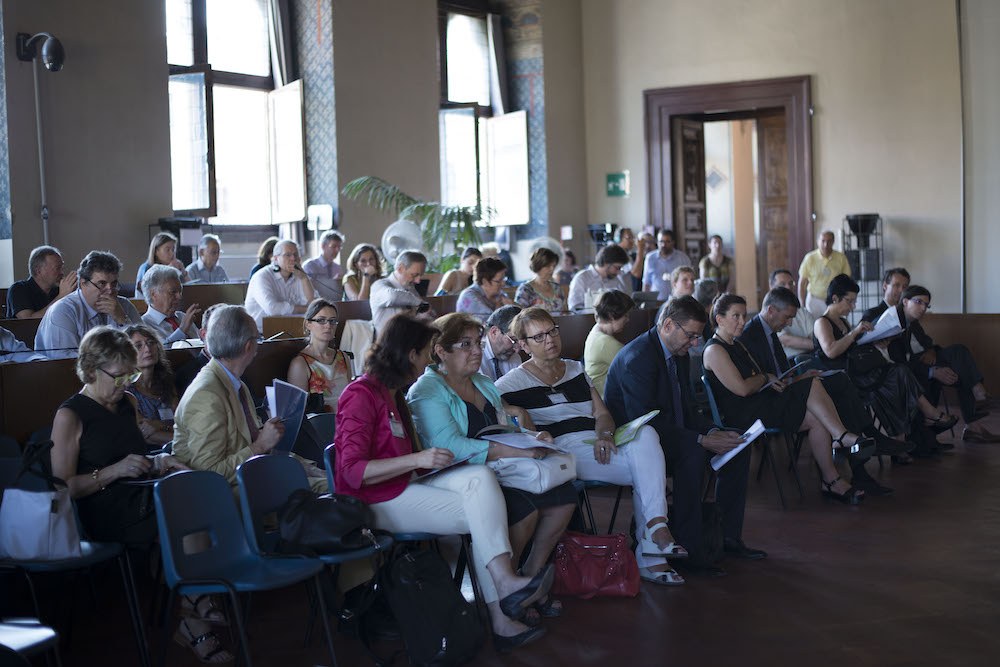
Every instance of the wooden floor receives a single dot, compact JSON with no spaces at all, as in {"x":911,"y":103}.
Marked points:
{"x":913,"y":579}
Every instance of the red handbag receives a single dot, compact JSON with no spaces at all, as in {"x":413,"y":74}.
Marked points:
{"x":589,"y":565}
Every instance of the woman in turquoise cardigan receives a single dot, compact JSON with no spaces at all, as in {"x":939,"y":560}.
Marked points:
{"x":452,"y":402}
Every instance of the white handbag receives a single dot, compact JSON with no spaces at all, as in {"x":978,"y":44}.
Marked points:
{"x":38,"y":525}
{"x":535,"y":475}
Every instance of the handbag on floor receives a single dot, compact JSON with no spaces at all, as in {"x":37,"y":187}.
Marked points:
{"x":38,"y":522}
{"x":591,"y":565}
{"x":535,"y":475}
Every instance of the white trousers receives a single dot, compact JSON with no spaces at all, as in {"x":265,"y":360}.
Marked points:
{"x":638,"y":464}
{"x":815,"y":306}
{"x":466,"y":500}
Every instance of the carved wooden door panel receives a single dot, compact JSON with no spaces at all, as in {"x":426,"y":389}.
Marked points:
{"x":772,"y":188}
{"x":689,"y":188}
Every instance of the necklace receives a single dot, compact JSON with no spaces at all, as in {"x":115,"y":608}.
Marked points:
{"x":558,"y":370}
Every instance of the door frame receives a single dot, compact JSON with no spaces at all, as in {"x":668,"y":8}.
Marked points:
{"x":715,"y":102}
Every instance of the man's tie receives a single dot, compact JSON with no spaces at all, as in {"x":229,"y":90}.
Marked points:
{"x":173,"y":322}
{"x":254,"y":431}
{"x":778,"y":353}
{"x":496,"y":368}
{"x":675,"y":392}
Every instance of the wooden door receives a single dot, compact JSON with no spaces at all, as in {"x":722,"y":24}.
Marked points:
{"x":772,"y":188}
{"x":689,"y":222}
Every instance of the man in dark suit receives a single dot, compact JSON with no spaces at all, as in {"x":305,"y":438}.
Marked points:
{"x":895,"y":281}
{"x":936,"y":366}
{"x":652,"y":373}
{"x":760,"y":337}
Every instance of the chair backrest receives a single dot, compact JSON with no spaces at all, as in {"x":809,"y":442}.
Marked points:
{"x":329,"y":457}
{"x":9,"y":469}
{"x":193,"y":502}
{"x":716,"y":417}
{"x":326,"y":427}
{"x":265,"y":484}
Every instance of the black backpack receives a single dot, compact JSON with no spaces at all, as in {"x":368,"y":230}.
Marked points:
{"x":437,"y":625}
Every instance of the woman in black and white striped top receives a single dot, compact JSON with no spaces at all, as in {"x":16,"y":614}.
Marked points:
{"x":561,"y":399}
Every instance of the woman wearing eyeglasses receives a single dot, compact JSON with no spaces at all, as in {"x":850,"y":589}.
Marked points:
{"x":561,"y":399}
{"x":319,"y":368}
{"x":97,"y":447}
{"x":451,"y":403}
{"x":897,"y":396}
{"x":486,"y":295}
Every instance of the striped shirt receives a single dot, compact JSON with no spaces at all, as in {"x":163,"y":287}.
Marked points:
{"x":565,"y":407}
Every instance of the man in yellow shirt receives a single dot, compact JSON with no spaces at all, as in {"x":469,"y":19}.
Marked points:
{"x":818,"y":268}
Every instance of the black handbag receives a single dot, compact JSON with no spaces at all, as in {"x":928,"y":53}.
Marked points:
{"x":324,"y":524}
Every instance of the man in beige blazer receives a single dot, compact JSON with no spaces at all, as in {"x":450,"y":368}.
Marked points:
{"x":215,"y":426}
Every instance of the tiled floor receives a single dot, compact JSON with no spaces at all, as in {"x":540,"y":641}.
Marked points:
{"x":913,"y":579}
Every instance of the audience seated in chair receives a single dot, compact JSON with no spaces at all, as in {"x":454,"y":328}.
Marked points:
{"x":320,"y":369}
{"x":542,"y":290}
{"x":46,"y":283}
{"x":364,"y":268}
{"x":612,"y":314}
{"x":458,"y":279}
{"x":561,"y":399}
{"x":682,"y":281}
{"x":651,"y":373}
{"x":185,"y":375}
{"x":500,"y":352}
{"x":97,"y":446}
{"x":162,"y":250}
{"x":895,"y":281}
{"x":797,"y":336}
{"x":215,"y":426}
{"x":265,"y":253}
{"x":14,"y":351}
{"x":800,"y":404}
{"x":206,"y":269}
{"x":451,"y":403}
{"x":153,"y":393}
{"x":378,"y":452}
{"x":164,"y":293}
{"x":486,"y":294}
{"x":636,"y":249}
{"x":327,"y":276}
{"x":398,"y":293}
{"x":567,"y":269}
{"x":95,"y":303}
{"x":281,"y":289}
{"x":602,"y":275}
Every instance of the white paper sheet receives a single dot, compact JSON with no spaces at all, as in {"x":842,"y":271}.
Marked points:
{"x":751,"y":434}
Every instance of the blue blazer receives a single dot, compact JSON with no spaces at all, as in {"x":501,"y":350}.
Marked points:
{"x":753,"y":339}
{"x":639,"y":381}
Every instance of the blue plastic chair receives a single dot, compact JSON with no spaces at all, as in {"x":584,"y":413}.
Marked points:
{"x":765,"y":444}
{"x":93,"y":553}
{"x":201,"y":502}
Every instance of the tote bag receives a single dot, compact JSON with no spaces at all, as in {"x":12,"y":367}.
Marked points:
{"x":534,"y":475}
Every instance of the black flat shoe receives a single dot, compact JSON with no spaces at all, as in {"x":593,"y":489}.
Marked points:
{"x":942,"y":423}
{"x":513,"y":606}
{"x":504,"y":644}
{"x":735,"y":547}
{"x":862,"y":480}
{"x":852,"y":496}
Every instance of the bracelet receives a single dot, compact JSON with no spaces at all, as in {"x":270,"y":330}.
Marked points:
{"x":94,"y":476}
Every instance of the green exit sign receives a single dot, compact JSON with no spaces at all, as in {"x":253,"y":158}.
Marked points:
{"x":617,"y":184}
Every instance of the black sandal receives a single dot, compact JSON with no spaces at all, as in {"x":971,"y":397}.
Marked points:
{"x":863,"y":446}
{"x":209,"y":613}
{"x":548,"y":609}
{"x":193,"y":643}
{"x":850,"y":497}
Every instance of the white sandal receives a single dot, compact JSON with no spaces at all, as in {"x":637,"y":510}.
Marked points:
{"x":665,"y":578}
{"x":650,"y":548}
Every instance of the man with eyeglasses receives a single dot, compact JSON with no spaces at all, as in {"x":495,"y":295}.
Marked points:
{"x":398,"y":293}
{"x":499,"y":351}
{"x":95,"y":303}
{"x":936,"y":366}
{"x":653,"y":373}
{"x":604,"y":274}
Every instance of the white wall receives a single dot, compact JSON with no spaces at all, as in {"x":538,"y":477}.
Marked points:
{"x":981,"y":25}
{"x":387,"y":95}
{"x":886,"y":135}
{"x":105,"y":123}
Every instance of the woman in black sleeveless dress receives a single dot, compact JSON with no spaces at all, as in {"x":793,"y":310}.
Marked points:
{"x":895,"y":392}
{"x":737,"y":379}
{"x":98,"y":447}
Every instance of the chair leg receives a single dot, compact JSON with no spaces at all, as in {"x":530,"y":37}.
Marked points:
{"x":477,"y":593}
{"x":128,"y":582}
{"x":793,"y":445}
{"x":324,"y":616}
{"x":614,"y":512}
{"x":234,"y":603}
{"x":760,"y":466}
{"x":171,"y":598}
{"x":590,"y":512}
{"x":774,"y":471}
{"x":155,"y":597}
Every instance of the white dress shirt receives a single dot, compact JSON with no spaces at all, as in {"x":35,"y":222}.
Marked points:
{"x":489,"y":369}
{"x":589,"y":282}
{"x":157,"y":321}
{"x":11,"y":349}
{"x":389,"y":297}
{"x":68,"y":320}
{"x":270,"y":296}
{"x":196,"y":271}
{"x":327,"y":278}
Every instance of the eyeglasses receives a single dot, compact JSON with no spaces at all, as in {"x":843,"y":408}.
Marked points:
{"x":104,"y":285}
{"x":691,"y":337}
{"x":538,"y":338}
{"x":119,"y":380}
{"x":926,"y":304}
{"x":467,"y":344}
{"x":323,"y":320}
{"x":498,"y":281}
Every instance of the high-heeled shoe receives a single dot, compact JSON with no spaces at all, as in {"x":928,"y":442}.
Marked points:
{"x":862,"y":446}
{"x":668,"y":550}
{"x":850,"y":497}
{"x":942,"y":423}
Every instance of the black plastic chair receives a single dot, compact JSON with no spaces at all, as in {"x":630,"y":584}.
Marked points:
{"x":587,"y":511}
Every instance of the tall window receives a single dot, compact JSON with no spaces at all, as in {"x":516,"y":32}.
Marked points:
{"x":484,"y":159}
{"x":226,"y":117}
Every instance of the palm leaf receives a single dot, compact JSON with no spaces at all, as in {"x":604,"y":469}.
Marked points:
{"x":379,"y":194}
